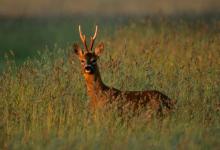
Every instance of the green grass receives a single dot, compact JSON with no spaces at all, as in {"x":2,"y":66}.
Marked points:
{"x":43,"y":101}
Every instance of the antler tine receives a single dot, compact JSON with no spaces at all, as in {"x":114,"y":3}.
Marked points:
{"x":95,"y":34}
{"x":83,"y":38}
{"x":93,"y":38}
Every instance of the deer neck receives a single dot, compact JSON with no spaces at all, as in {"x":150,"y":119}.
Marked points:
{"x":94,"y":83}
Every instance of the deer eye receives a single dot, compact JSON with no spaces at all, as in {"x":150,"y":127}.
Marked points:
{"x":93,"y":61}
{"x":82,"y":61}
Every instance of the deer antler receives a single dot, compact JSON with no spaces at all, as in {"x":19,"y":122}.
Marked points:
{"x":93,"y":38}
{"x":83,"y":38}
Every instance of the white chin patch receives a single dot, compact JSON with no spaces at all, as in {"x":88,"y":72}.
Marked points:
{"x":87,"y":71}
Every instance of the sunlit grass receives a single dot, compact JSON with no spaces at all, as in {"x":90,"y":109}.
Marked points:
{"x":43,"y":103}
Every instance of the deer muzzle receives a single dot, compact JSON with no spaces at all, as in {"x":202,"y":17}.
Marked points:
{"x":89,"y":69}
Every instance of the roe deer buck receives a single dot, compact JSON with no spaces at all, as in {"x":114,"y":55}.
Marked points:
{"x":101,"y":95}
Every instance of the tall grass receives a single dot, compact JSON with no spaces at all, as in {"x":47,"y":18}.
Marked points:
{"x":43,"y":103}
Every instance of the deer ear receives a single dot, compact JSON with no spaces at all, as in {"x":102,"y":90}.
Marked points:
{"x":99,"y":49}
{"x":77,"y":50}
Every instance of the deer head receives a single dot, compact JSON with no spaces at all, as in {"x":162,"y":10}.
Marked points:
{"x":87,"y":56}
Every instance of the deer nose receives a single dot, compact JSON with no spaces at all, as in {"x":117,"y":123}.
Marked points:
{"x":89,"y":69}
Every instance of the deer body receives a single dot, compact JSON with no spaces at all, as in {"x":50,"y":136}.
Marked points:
{"x":101,"y":95}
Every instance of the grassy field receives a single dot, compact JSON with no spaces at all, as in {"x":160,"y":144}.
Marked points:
{"x":26,"y":36}
{"x":43,"y":102}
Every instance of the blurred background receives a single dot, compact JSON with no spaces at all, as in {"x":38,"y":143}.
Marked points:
{"x":30,"y":8}
{"x":27,"y":26}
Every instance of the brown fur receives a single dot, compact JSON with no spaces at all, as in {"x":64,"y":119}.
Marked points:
{"x":102,"y":95}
